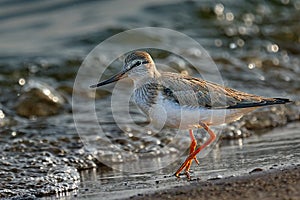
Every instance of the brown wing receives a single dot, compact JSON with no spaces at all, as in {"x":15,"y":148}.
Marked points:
{"x":194,"y":92}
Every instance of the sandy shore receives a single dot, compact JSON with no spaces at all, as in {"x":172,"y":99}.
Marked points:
{"x":270,"y":185}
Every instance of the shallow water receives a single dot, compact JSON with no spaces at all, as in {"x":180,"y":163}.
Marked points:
{"x":273,"y":150}
{"x":255,"y":46}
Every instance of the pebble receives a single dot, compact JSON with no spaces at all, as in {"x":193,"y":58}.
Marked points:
{"x":39,"y":99}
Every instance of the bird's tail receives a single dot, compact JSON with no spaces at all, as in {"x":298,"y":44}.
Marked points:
{"x":277,"y":101}
{"x":262,"y":102}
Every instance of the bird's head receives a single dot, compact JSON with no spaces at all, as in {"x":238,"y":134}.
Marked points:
{"x":138,"y":66}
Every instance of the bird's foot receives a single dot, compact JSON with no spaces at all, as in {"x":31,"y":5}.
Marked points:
{"x":186,"y":166}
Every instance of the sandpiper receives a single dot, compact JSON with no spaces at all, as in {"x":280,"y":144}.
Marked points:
{"x":180,"y":101}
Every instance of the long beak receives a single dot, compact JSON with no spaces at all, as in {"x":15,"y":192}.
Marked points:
{"x":112,"y":79}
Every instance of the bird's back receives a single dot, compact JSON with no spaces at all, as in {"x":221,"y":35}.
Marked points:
{"x":195,"y":92}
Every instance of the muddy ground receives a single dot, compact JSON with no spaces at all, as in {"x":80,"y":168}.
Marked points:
{"x":272,"y":184}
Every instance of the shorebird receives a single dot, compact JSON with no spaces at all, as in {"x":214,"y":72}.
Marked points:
{"x":180,"y":101}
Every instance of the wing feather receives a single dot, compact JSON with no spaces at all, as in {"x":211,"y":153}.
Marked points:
{"x":195,"y":92}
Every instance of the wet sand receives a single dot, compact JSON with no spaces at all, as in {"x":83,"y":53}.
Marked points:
{"x":272,"y":184}
{"x":258,"y":167}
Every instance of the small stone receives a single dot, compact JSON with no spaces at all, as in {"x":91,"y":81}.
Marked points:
{"x":256,"y":170}
{"x":39,"y":99}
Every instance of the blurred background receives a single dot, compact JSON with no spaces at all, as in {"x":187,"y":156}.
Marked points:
{"x":255,"y":44}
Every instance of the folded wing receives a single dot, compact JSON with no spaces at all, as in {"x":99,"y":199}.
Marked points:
{"x":194,"y":92}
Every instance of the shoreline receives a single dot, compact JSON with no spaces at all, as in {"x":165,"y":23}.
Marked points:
{"x":279,"y":183}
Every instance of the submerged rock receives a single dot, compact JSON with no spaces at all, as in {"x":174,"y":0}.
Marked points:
{"x":274,"y":116}
{"x":39,"y":99}
{"x":263,"y":118}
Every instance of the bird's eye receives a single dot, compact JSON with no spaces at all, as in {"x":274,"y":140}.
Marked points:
{"x":136,"y":64}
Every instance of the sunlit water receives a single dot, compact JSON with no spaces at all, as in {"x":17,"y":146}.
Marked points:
{"x":255,"y":46}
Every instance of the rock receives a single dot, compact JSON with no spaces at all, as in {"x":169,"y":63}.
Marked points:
{"x":39,"y":99}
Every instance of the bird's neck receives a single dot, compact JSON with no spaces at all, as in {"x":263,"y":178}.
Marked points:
{"x":151,"y":77}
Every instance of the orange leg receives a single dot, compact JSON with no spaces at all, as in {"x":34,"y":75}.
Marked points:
{"x":189,"y":159}
{"x":193,"y":144}
{"x":192,"y":149}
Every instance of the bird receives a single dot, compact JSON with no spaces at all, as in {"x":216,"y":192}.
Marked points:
{"x":184,"y":102}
